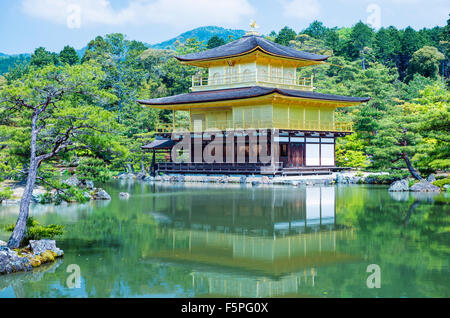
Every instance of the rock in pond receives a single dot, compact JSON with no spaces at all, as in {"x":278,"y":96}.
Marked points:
{"x":100,"y":194}
{"x":2,"y":243}
{"x":72,"y":181}
{"x":141,"y":176}
{"x":425,"y":186}
{"x":431,"y":178}
{"x":35,"y":254}
{"x":127,"y":176}
{"x":87,"y":184}
{"x":400,"y":185}
{"x":40,"y":246}
{"x":10,"y":262}
{"x":124,"y":195}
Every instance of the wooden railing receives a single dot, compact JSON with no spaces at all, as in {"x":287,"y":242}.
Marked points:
{"x":222,"y":125}
{"x":252,"y":78}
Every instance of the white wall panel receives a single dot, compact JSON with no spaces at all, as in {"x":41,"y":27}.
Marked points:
{"x":312,"y":154}
{"x":327,"y":154}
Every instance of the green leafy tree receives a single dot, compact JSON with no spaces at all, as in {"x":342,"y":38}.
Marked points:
{"x":41,"y":57}
{"x":316,"y":30}
{"x":362,"y":37}
{"x":285,"y":35}
{"x":191,"y":45}
{"x":69,"y":55}
{"x":215,"y":41}
{"x":54,"y":110}
{"x":350,"y":152}
{"x":387,"y":46}
{"x":433,"y":105}
{"x":425,"y":62}
{"x":410,"y":42}
{"x":119,"y":59}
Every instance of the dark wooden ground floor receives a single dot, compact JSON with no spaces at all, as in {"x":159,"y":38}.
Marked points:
{"x":242,"y":169}
{"x":295,"y":154}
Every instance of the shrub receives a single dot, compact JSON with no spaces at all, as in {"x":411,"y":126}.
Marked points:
{"x":6,"y":194}
{"x":93,"y":169}
{"x":45,"y":198}
{"x":386,"y":178}
{"x":71,"y":194}
{"x":36,"y":231}
{"x":441,"y":182}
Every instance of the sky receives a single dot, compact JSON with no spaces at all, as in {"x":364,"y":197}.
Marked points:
{"x":28,"y":24}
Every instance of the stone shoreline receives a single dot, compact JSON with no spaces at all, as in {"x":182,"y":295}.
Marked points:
{"x":334,"y":178}
{"x":310,"y":180}
{"x":37,"y":253}
{"x":89,"y":191}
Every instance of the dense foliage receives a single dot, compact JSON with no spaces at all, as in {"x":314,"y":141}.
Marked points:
{"x":405,"y":72}
{"x":36,"y":231}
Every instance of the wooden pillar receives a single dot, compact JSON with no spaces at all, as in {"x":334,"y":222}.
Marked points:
{"x":173,"y":119}
{"x":152,"y":168}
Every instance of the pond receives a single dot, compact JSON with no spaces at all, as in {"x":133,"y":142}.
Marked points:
{"x":216,"y":240}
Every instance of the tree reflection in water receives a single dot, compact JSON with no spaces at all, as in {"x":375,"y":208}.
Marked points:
{"x":179,"y":240}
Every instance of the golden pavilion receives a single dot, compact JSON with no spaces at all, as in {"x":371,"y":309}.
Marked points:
{"x":252,"y":88}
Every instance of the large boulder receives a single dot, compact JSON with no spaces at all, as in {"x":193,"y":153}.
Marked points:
{"x":40,"y":246}
{"x":425,"y":186}
{"x":127,"y":176}
{"x":400,"y":185}
{"x":87,"y":196}
{"x":72,"y":181}
{"x":4,"y":261}
{"x":100,"y":194}
{"x":124,"y":195}
{"x":431,"y":178}
{"x":141,"y":176}
{"x":10,"y":262}
{"x":87,"y":184}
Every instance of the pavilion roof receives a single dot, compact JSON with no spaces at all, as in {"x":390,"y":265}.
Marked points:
{"x":159,"y":144}
{"x":245,"y":92}
{"x":247,"y":44}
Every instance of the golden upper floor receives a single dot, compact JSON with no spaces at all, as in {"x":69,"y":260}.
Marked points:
{"x":252,"y":83}
{"x":251,"y":61}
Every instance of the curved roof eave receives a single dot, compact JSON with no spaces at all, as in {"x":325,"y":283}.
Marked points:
{"x":258,"y":48}
{"x":248,"y":44}
{"x":244,"y":93}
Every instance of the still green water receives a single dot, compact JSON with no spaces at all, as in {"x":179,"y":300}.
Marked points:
{"x":200,"y":240}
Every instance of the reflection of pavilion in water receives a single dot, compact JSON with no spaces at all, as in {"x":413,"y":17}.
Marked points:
{"x":271,"y":249}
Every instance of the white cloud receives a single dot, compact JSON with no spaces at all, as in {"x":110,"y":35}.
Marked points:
{"x":178,"y":13}
{"x":301,"y":9}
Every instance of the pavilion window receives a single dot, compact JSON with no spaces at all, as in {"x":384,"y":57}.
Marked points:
{"x":313,"y":154}
{"x":327,"y":154}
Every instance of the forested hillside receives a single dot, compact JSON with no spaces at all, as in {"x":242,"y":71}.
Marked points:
{"x":404,"y":71}
{"x":10,"y":61}
{"x":201,"y":34}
